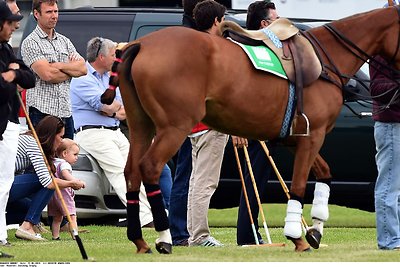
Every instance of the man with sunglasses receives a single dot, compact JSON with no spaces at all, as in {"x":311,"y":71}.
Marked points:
{"x":259,"y":15}
{"x":55,"y":61}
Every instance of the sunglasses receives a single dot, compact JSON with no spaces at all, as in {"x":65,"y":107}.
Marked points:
{"x":101,"y":40}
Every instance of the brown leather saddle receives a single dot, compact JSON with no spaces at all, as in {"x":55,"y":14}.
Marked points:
{"x":297,"y":56}
{"x":297,"y":53}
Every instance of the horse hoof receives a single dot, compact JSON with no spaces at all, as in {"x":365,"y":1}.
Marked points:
{"x":313,"y":237}
{"x":144,"y":251}
{"x":164,"y":248}
{"x":300,"y":244}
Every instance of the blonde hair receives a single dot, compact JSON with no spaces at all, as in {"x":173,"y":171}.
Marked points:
{"x":66,"y":144}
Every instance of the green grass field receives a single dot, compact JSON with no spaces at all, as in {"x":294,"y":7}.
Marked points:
{"x":349,"y":237}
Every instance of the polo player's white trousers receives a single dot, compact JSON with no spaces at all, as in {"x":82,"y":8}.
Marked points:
{"x":8,"y":152}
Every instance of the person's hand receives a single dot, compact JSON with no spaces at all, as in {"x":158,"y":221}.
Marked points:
{"x":78,"y":184}
{"x":74,"y":57}
{"x":239,"y":142}
{"x":8,"y":76}
{"x":13,"y":66}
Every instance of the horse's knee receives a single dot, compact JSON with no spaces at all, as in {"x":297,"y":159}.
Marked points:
{"x":319,"y":209}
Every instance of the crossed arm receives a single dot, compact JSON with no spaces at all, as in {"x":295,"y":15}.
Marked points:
{"x":59,"y":71}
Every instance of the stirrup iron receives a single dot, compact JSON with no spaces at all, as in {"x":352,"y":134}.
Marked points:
{"x":307,"y":133}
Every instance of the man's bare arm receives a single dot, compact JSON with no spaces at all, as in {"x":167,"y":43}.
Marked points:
{"x":49,"y":72}
{"x":76,"y":66}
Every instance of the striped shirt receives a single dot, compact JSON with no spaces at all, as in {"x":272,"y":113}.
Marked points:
{"x":29,"y":155}
{"x":47,"y":97}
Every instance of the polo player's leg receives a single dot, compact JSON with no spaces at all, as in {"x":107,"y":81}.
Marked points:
{"x":319,"y":209}
{"x":164,"y":146}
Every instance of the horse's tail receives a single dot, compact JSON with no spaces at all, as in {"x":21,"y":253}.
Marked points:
{"x":130,"y":50}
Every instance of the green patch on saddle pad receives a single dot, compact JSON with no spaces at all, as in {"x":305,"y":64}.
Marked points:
{"x":264,"y":59}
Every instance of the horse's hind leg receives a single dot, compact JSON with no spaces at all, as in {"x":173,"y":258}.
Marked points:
{"x":319,"y":209}
{"x":133,"y":182}
{"x":164,"y":146}
{"x":140,"y":136}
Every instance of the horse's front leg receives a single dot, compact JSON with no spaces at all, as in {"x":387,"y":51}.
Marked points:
{"x":306,"y":151}
{"x":319,"y":209}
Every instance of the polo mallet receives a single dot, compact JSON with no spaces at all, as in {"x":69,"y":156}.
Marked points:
{"x":245,"y":195}
{"x":259,"y":201}
{"x":281,"y":181}
{"x":74,"y":232}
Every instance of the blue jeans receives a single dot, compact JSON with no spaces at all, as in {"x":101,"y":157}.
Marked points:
{"x":179,"y":194}
{"x":387,"y":187}
{"x":36,"y":115}
{"x":165,"y":185}
{"x":262,"y":171}
{"x":27,"y":199}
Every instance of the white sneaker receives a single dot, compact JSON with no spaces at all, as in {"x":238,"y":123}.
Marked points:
{"x":5,"y":243}
{"x":210,"y":242}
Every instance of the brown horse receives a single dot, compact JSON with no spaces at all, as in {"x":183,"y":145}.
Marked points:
{"x":173,"y":78}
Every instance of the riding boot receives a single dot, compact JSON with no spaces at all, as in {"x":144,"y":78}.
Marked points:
{"x":293,"y":228}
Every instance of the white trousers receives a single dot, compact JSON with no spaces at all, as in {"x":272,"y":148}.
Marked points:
{"x":8,"y":152}
{"x":110,"y":149}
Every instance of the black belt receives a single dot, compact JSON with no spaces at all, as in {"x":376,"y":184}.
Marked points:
{"x":85,"y":127}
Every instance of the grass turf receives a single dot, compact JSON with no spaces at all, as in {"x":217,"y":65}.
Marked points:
{"x":349,"y":235}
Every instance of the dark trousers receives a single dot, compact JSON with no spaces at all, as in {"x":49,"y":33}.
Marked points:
{"x":179,"y":194}
{"x":262,"y":171}
{"x":27,"y":199}
{"x":36,"y":115}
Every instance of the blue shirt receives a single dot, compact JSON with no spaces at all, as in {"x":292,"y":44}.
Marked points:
{"x":85,"y":98}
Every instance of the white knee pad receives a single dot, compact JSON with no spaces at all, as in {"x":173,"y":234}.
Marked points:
{"x":293,"y":227}
{"x":319,"y":209}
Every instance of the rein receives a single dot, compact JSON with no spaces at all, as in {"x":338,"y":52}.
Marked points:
{"x":360,"y":54}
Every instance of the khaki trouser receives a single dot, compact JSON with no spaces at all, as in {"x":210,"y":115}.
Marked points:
{"x":207,"y":156}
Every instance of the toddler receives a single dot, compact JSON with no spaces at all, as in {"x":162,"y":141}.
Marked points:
{"x":66,"y":155}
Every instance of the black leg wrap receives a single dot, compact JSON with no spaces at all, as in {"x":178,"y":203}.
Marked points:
{"x":299,"y":199}
{"x":325,"y":181}
{"x":155,"y":199}
{"x":134,"y":230}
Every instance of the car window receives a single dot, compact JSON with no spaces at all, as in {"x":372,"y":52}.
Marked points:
{"x":88,"y":29}
{"x":147,"y":29}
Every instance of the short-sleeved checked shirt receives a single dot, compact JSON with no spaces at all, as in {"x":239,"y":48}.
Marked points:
{"x":49,"y":98}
